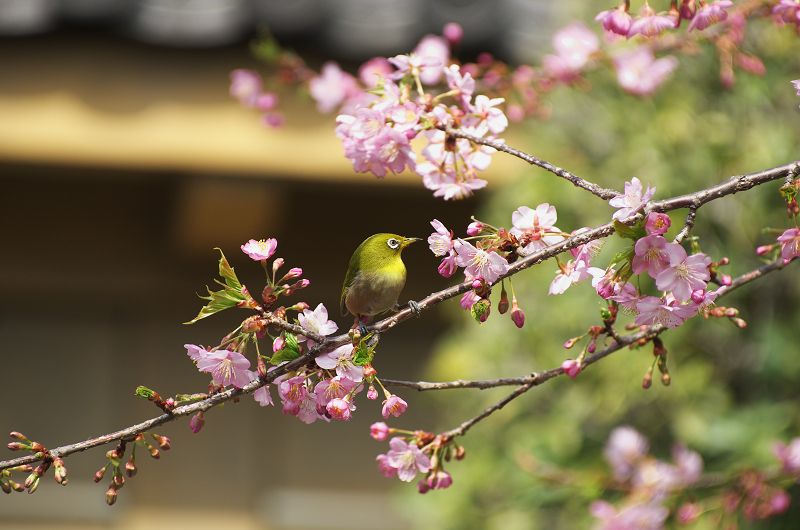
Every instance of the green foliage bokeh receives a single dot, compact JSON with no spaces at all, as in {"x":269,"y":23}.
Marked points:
{"x":734,"y":391}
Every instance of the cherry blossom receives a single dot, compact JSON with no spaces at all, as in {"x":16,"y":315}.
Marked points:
{"x":657,"y":223}
{"x":478,"y":262}
{"x":789,"y":10}
{"x":394,"y":406}
{"x":386,"y":469}
{"x":412,"y":64}
{"x":379,"y":431}
{"x":462,"y":86}
{"x":790,"y":244}
{"x":259,"y":250}
{"x":433,"y":46}
{"x":341,"y":359}
{"x":632,"y":200}
{"x":623,"y":450}
{"x":651,"y":254}
{"x":534,"y":226}
{"x":710,"y":14}
{"x":407,"y":459}
{"x":226,"y":367}
{"x":575,"y":44}
{"x":654,"y":310}
{"x":573,"y":272}
{"x":684,"y":274}
{"x":332,"y":87}
{"x":571,"y":367}
{"x":317,"y":322}
{"x":246,"y":86}
{"x":639,"y":72}
{"x":616,"y":20}
{"x":650,"y":24}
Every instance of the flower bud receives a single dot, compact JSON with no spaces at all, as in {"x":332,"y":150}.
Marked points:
{"x":502,"y":306}
{"x":666,"y":379}
{"x":698,"y":296}
{"x":647,"y":381}
{"x":379,"y":431}
{"x":197,"y":422}
{"x":111,"y":496}
{"x":725,"y":279}
{"x":293,"y":273}
{"x":60,"y":471}
{"x":5,"y":487}
{"x":162,"y":441}
{"x":571,"y":342}
{"x":453,"y":33}
{"x":517,"y":314}
{"x":475,"y":228}
{"x":738,"y":322}
{"x":277,"y":264}
{"x":372,"y":393}
{"x":18,"y":436}
{"x":460,"y":452}
{"x":764,"y":249}
{"x":130,"y":468}
{"x":99,"y":475}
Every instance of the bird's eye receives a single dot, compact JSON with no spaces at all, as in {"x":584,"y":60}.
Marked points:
{"x":393,"y":243}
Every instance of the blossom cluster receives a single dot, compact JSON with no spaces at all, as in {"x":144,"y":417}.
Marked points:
{"x":377,"y":131}
{"x":416,"y":452}
{"x":651,"y":486}
{"x":310,"y":394}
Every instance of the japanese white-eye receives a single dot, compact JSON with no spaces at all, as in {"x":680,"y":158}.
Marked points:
{"x":375,"y":277}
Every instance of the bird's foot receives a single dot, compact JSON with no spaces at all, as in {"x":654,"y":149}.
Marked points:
{"x":362,"y":329}
{"x":414,"y":307}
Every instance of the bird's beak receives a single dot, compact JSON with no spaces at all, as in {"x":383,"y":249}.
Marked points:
{"x":407,"y":241}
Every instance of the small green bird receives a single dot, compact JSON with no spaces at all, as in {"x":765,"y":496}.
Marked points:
{"x":375,"y":277}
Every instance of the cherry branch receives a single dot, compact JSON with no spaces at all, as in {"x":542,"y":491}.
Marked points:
{"x":736,"y":184}
{"x":537,"y":378}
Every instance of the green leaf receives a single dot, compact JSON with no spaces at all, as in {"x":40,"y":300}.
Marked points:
{"x":364,"y":354}
{"x":623,"y":256}
{"x":231,"y":294}
{"x":290,"y":350}
{"x":634,"y":232}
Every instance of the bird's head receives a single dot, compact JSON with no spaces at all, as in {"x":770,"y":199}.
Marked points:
{"x":382,"y":247}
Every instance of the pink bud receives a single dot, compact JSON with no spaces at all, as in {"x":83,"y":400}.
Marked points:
{"x":453,"y":33}
{"x":698,"y":296}
{"x":474,"y":228}
{"x":278,"y":344}
{"x":372,"y":393}
{"x":379,"y":431}
{"x":295,"y":272}
{"x":517,"y":314}
{"x":111,"y":496}
{"x":571,"y":367}
{"x":725,"y":279}
{"x":764,"y":249}
{"x":267,"y":101}
{"x":197,"y":422}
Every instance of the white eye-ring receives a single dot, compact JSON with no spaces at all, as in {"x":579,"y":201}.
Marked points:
{"x":393,"y":243}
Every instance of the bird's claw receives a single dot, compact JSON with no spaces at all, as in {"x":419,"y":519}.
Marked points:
{"x":362,"y":329}
{"x":414,"y":307}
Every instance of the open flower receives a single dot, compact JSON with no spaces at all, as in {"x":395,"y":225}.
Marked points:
{"x":226,"y":367}
{"x":640,"y":73}
{"x":317,"y":322}
{"x":259,"y":250}
{"x":407,"y":459}
{"x":478,"y":262}
{"x":632,"y":200}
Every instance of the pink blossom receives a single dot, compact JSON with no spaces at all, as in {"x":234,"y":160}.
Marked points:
{"x":490,"y":117}
{"x":517,"y":316}
{"x":573,"y":272}
{"x":469,"y":299}
{"x":710,"y":14}
{"x":789,"y":10}
{"x":407,"y":459}
{"x":657,"y":223}
{"x":478,"y":262}
{"x":317,"y":322}
{"x":292,"y":392}
{"x":453,"y":33}
{"x":654,"y":310}
{"x":616,"y":20}
{"x":379,"y":431}
{"x":226,"y":367}
{"x":623,"y":451}
{"x":308,"y":412}
{"x":790,"y":244}
{"x":649,"y":24}
{"x":789,"y":456}
{"x":440,"y":241}
{"x":688,"y":513}
{"x":339,"y":408}
{"x":632,"y":200}
{"x":633,"y":515}
{"x":334,"y":388}
{"x":640,"y":73}
{"x":475,"y":228}
{"x":195,"y":353}
{"x":571,"y":367}
{"x":651,"y":254}
{"x":197,"y":422}
{"x":689,"y":464}
{"x":413,"y":64}
{"x":433,"y":46}
{"x":259,"y":250}
{"x":439,"y":480}
{"x":341,"y":359}
{"x":332,"y":87}
{"x":246,"y":87}
{"x":373,"y":70}
{"x":386,"y":469}
{"x":575,"y":44}
{"x":462,"y":86}
{"x":627,"y":298}
{"x":394,"y":406}
{"x":262,"y":396}
{"x":390,"y":149}
{"x":535,"y":225}
{"x":405,"y":116}
{"x":684,"y":274}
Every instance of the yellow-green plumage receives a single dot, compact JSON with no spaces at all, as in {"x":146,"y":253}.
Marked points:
{"x":376,"y":275}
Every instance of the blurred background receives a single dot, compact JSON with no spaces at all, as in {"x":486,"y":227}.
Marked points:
{"x":124,"y":163}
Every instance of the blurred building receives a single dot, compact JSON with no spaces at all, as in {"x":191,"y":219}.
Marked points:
{"x":123,"y":164}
